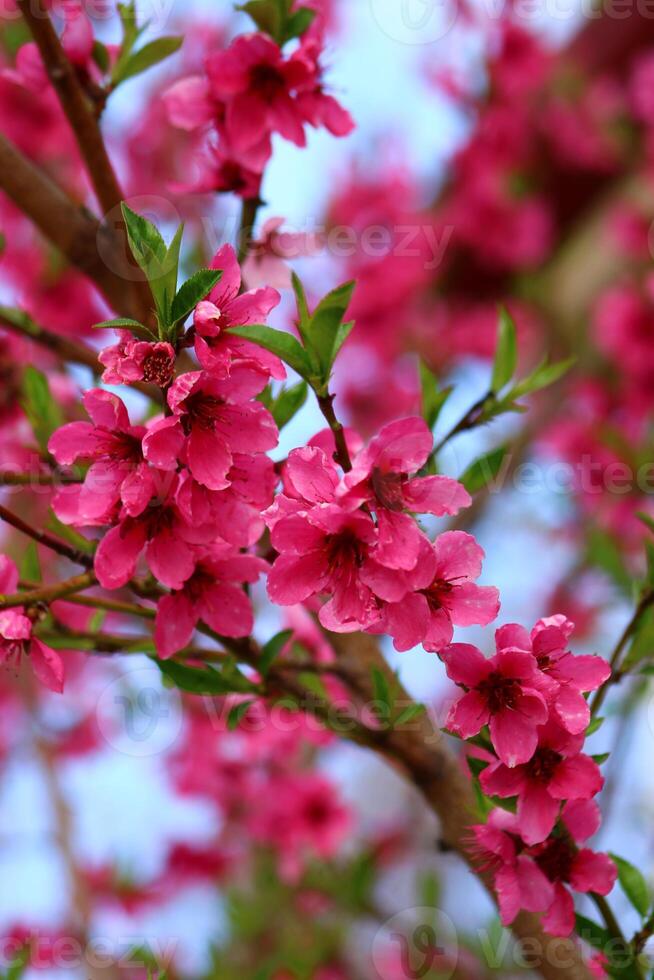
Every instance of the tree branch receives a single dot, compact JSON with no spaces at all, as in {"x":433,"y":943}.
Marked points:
{"x":49,"y":593}
{"x":46,"y":539}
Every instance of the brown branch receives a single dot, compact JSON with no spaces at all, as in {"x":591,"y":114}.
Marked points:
{"x":46,"y":539}
{"x":71,"y":229}
{"x":49,"y":593}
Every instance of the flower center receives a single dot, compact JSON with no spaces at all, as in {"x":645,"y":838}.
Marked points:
{"x":555,"y":860}
{"x":158,"y":368}
{"x":268,"y":82}
{"x":387,"y":488}
{"x":203,"y":410}
{"x":543,"y":765}
{"x":343,"y":549}
{"x":499,"y":691}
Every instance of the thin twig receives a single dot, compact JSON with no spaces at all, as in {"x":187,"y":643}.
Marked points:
{"x":326,"y":405}
{"x":616,"y":675}
{"x":46,"y":539}
{"x":49,"y":593}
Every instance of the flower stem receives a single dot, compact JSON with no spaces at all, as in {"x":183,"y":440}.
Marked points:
{"x":326,"y":405}
{"x":616,"y":675}
{"x":46,"y":539}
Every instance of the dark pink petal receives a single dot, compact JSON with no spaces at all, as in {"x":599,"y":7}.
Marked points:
{"x":228,"y":287}
{"x":513,"y":736}
{"x":465,"y":664}
{"x":458,"y":556}
{"x":518,"y":664}
{"x":163,"y":443}
{"x":137,"y":489}
{"x":577,"y":778}
{"x":400,"y":540}
{"x":572,"y":709}
{"x":72,"y":441}
{"x":293,"y":578}
{"x":171,"y":559}
{"x":474,"y":605}
{"x":254,"y":306}
{"x":440,"y":631}
{"x":407,"y":621}
{"x":536,"y":891}
{"x":297,"y":535}
{"x":101,"y":488}
{"x":508,"y":894}
{"x":498,"y":780}
{"x":438,"y":495}
{"x":537,"y":813}
{"x":514,"y":636}
{"x":14,"y":625}
{"x":188,"y":103}
{"x":468,"y":715}
{"x":106,"y":409}
{"x":117,"y":554}
{"x":8,"y":575}
{"x":312,"y":475}
{"x":584,"y":673}
{"x":209,"y":458}
{"x":582,"y":818}
{"x":560,"y":917}
{"x":248,"y":428}
{"x":47,"y":665}
{"x":593,"y":872}
{"x":227,"y":610}
{"x":174,"y":624}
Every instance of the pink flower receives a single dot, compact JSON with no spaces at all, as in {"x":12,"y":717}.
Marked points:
{"x":519,"y":882}
{"x":227,"y":307}
{"x":212,"y":419}
{"x":258,"y":86}
{"x":570,"y":676}
{"x":441,"y":593}
{"x":118,"y":472}
{"x":211,"y":594}
{"x":137,"y":360}
{"x":502,"y":692}
{"x":322,"y":551}
{"x":234,"y":512}
{"x":169,"y":542}
{"x":557,"y":771}
{"x":380,"y":478}
{"x":16,"y":637}
{"x":566,"y":865}
{"x":216,"y":169}
{"x":269,"y":254}
{"x":316,"y":105}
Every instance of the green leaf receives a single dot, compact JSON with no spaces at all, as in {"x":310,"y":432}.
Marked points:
{"x":272,"y":650}
{"x":506,"y":352}
{"x":288,"y":403}
{"x":131,"y":33}
{"x":545,"y":375}
{"x":641,"y":647}
{"x":125,"y":323}
{"x":100,"y":55}
{"x":146,"y":57}
{"x":633,"y":884}
{"x":42,"y":411}
{"x":267,"y":15}
{"x":304,"y":317}
{"x":299,"y":23}
{"x":480,"y":473}
{"x":603,"y":552}
{"x":433,"y":399}
{"x":327,"y":333}
{"x":601,"y":758}
{"x":237,"y":713}
{"x":477,"y":766}
{"x":408,"y":714}
{"x":593,"y":934}
{"x":192,"y":292}
{"x":595,"y":725}
{"x":646,"y":520}
{"x":69,"y":534}
{"x":154,"y":258}
{"x":278,"y":342}
{"x":30,"y":566}
{"x":195,"y":680}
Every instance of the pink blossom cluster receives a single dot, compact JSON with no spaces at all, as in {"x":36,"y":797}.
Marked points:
{"x":188,"y":489}
{"x":353,"y":538}
{"x":17,"y":641}
{"x":531,"y":697}
{"x":247,"y":93}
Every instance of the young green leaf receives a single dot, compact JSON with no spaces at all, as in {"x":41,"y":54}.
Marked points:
{"x":326,"y":333}
{"x":299,"y":23}
{"x":41,"y":409}
{"x":30,"y":566}
{"x":155,"y":259}
{"x":268,"y":15}
{"x":146,"y":57}
{"x":633,"y":884}
{"x":125,"y":323}
{"x":480,"y":473}
{"x":288,"y":403}
{"x":433,"y":399}
{"x":506,"y":353}
{"x":237,"y":713}
{"x":272,"y":650}
{"x":304,"y":317}
{"x":192,"y":292}
{"x":410,"y":713}
{"x":545,"y":375}
{"x":197,"y":680}
{"x":278,"y":342}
